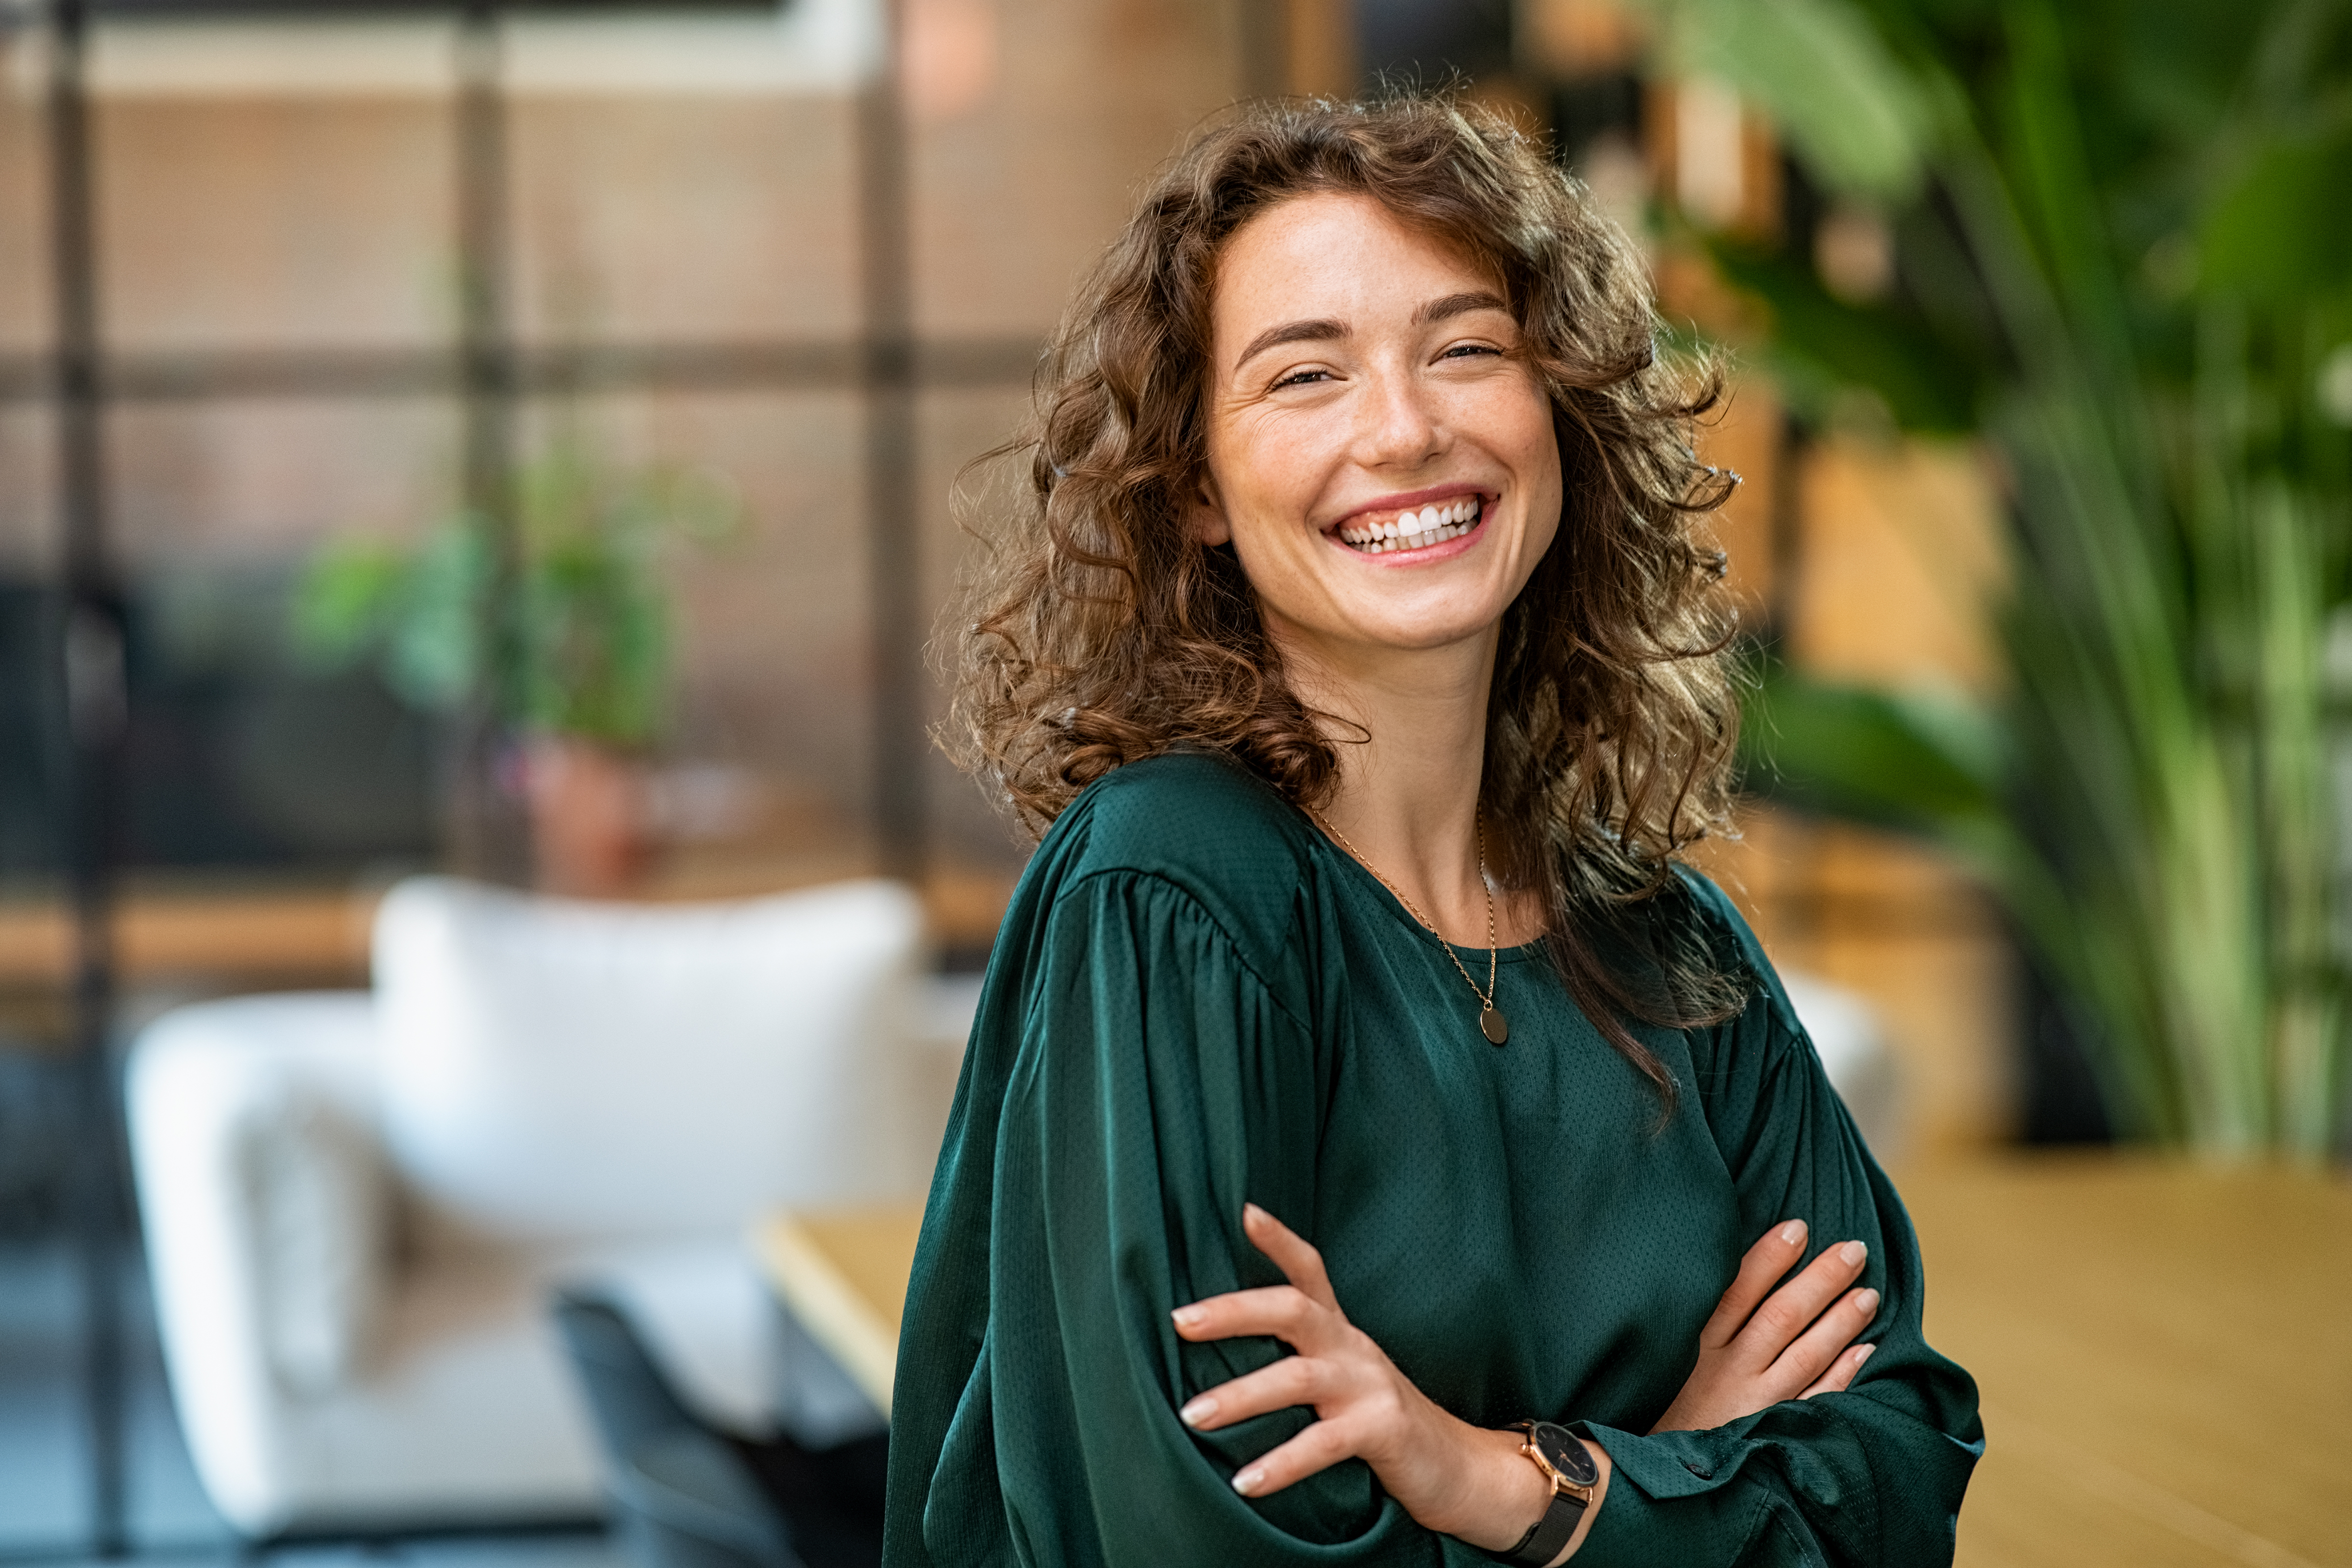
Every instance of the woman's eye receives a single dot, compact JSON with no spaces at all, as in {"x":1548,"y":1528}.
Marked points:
{"x":1465,"y":351}
{"x":1304,"y":377}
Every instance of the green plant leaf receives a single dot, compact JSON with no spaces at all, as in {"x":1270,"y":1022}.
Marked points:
{"x":345,"y":600}
{"x":1821,"y":346}
{"x":2282,"y":230}
{"x":1850,"y":110}
{"x":588,"y":624}
{"x":1923,"y":763}
{"x":433,"y":659}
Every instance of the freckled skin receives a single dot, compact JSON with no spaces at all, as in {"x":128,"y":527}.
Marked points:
{"x":1305,"y":434}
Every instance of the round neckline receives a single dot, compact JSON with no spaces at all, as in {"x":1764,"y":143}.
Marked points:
{"x":1388,"y":902}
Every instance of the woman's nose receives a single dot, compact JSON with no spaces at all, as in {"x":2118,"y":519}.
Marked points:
{"x":1401,"y":427}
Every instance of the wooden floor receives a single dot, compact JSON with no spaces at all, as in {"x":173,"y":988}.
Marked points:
{"x":2165,"y":1357}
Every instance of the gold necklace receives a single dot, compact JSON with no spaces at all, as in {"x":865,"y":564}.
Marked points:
{"x":1491,"y":1022}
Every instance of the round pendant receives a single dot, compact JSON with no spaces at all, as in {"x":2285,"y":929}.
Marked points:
{"x":1494,"y":1025}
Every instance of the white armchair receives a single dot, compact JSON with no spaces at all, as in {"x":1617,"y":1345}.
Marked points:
{"x":355,"y":1203}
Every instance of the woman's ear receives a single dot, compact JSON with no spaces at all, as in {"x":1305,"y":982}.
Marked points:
{"x":1206,"y":515}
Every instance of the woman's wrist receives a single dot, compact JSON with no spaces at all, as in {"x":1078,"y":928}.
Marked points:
{"x":1501,"y":1493}
{"x":1497,"y":1493}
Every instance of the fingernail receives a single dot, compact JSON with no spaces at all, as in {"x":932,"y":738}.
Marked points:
{"x":1867,"y":1300}
{"x":1251,"y":1212}
{"x":1198,"y":1411}
{"x":1249,"y":1481}
{"x":1793,"y":1232}
{"x":1863,"y":1355}
{"x":1187,"y":1316}
{"x":1853,"y":1252}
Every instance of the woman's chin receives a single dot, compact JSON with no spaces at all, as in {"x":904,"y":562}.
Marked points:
{"x":1412,"y":628}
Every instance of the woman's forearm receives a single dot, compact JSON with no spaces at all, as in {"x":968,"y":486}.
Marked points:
{"x":1469,"y":1482}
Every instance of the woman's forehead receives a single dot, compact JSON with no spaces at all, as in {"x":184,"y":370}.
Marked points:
{"x":1344,"y":255}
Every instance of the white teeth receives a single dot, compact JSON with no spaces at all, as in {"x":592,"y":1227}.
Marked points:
{"x":1431,"y":524}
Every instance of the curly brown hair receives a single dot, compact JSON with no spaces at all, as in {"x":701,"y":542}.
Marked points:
{"x":1099,"y":630}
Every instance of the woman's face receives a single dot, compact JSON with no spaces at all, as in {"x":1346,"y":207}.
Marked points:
{"x":1380,"y":456}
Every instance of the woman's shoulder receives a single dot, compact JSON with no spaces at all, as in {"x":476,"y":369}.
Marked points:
{"x":1197,"y":822}
{"x":1714,"y":921}
{"x":1193,"y":817}
{"x":1708,"y":911}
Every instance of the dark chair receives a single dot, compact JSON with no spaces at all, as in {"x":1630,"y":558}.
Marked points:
{"x":831,"y":1496}
{"x":682,"y":1496}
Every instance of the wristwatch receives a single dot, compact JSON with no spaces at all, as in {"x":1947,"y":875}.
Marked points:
{"x":1568,"y":1464}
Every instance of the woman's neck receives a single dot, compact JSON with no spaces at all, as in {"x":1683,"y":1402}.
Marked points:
{"x":1408,"y":795}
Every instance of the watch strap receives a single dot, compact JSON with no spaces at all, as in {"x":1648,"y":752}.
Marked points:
{"x":1548,"y":1535}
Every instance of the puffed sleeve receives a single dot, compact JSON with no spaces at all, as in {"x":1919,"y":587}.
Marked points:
{"x":1158,"y":1082}
{"x":1864,"y":1479}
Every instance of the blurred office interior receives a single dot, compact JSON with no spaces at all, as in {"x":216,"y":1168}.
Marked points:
{"x":524,"y":442}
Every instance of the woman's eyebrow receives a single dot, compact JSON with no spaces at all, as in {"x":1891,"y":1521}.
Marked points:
{"x":1323,"y":331}
{"x":1457,"y":305}
{"x":1326,"y":329}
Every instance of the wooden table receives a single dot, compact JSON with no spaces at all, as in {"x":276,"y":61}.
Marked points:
{"x":2165,"y":1351}
{"x":842,"y":1273}
{"x":320,"y":936}
{"x":2165,"y":1356}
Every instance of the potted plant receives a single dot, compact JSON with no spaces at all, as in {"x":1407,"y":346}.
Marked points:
{"x":583,"y":696}
{"x":2120,"y":243}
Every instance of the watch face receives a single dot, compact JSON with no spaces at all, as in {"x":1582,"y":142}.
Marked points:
{"x":1566,"y":1453}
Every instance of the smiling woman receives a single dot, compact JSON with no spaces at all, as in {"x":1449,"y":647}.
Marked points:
{"x":1105,"y":626}
{"x":1354,"y":622}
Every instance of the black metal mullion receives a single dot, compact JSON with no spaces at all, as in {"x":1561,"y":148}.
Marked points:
{"x":1264,"y":30}
{"x":492,"y":834}
{"x":86,"y":737}
{"x":893,"y":543}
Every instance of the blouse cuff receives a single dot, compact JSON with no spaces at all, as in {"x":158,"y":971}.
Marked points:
{"x":1666,"y":1506}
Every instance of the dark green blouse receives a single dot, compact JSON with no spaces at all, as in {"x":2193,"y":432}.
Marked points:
{"x":1196,"y":1000}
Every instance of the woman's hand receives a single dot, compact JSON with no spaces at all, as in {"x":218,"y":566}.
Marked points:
{"x":1452,"y":1478}
{"x":1752,"y":1357}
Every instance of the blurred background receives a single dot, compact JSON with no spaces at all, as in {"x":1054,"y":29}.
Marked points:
{"x":519,"y":441}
